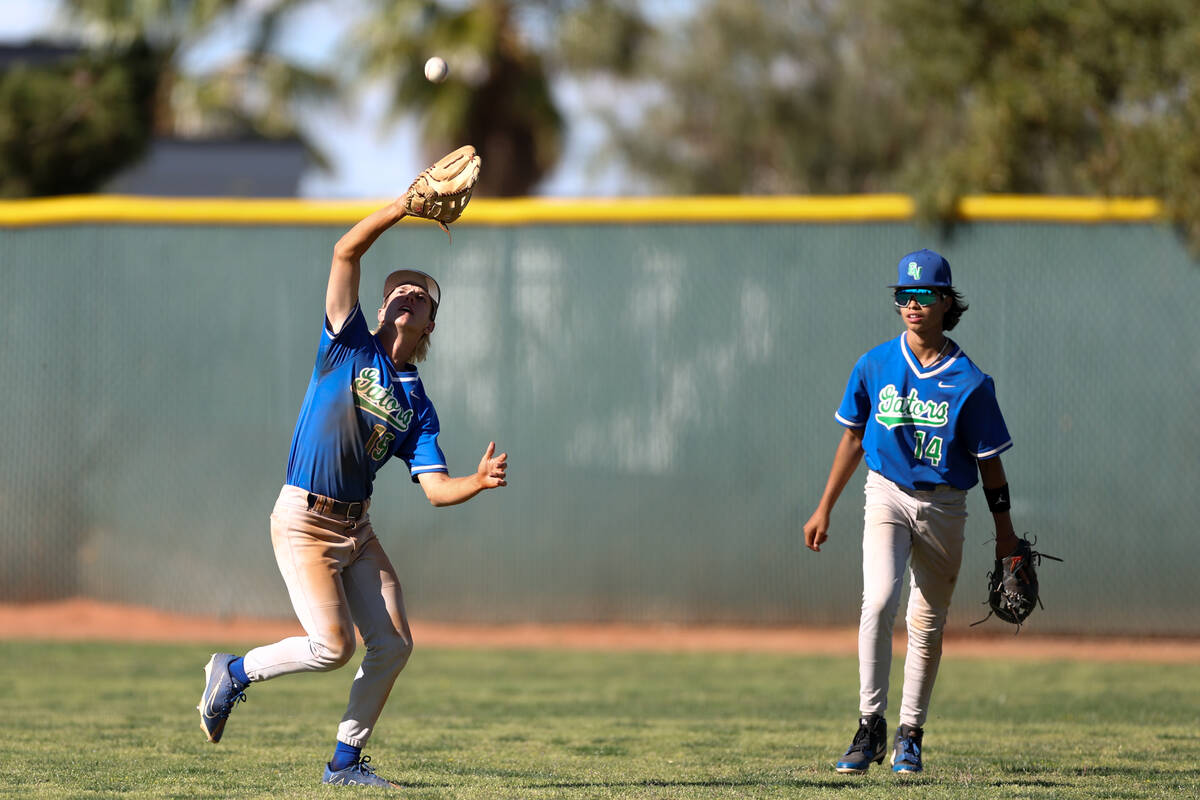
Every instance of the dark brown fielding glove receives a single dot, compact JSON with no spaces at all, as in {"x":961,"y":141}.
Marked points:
{"x":1013,"y":584}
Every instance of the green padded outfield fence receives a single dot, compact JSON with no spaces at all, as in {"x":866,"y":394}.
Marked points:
{"x":663,"y":378}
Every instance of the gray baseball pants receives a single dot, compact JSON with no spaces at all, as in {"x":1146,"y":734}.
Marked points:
{"x":899,"y":524}
{"x":337,"y":576}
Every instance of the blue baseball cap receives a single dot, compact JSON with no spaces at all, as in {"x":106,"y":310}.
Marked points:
{"x":922,"y":268}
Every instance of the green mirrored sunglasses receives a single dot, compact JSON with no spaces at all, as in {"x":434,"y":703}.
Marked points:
{"x":924,"y":297}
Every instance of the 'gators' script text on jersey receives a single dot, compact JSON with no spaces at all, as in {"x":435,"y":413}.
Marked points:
{"x":923,"y":426}
{"x":360,"y":411}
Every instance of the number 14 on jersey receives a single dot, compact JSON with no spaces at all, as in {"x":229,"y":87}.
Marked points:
{"x":930,"y":450}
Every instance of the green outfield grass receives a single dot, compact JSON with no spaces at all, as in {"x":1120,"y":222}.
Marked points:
{"x":100,"y":720}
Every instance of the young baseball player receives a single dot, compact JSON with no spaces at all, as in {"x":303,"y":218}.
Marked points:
{"x":927,"y":421}
{"x":365,"y":404}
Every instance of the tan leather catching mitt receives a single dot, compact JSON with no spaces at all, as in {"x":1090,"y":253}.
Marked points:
{"x":442,"y":191}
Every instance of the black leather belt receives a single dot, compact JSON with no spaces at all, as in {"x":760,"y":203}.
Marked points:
{"x":327,"y":505}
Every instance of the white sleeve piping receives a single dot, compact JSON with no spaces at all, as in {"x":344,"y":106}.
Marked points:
{"x":995,"y":451}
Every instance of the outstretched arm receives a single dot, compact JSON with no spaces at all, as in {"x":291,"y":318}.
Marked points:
{"x":342,"y":292}
{"x":845,"y":460}
{"x":442,"y":490}
{"x":992,"y":473}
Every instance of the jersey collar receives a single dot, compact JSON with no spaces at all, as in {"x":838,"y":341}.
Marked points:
{"x":937,"y":368}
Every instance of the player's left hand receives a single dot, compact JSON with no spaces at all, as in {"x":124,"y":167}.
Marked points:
{"x":493,"y":469}
{"x":1006,"y":539}
{"x":1013,"y":591}
{"x":442,"y":191}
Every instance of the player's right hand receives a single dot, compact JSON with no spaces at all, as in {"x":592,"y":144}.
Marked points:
{"x":816,"y":530}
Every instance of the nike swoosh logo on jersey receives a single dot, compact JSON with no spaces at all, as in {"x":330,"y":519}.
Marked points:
{"x":945,"y":385}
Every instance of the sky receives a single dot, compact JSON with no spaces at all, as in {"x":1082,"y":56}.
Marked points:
{"x":367,"y":160}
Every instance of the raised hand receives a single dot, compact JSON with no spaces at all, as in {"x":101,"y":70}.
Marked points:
{"x":493,"y":469}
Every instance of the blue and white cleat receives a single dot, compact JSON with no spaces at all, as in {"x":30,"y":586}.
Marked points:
{"x":221,"y":694}
{"x":906,"y":755}
{"x":868,"y":745}
{"x":357,"y":774}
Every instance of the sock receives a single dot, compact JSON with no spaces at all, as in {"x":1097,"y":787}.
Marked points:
{"x":238,"y":671}
{"x":344,"y":756}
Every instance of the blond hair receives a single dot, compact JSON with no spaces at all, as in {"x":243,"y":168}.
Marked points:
{"x":421,"y":350}
{"x":419,"y":353}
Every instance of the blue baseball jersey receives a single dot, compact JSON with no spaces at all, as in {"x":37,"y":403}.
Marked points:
{"x":923,"y":426}
{"x":360,"y":411}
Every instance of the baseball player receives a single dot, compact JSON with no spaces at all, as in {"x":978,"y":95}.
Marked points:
{"x":365,"y":404}
{"x":927,"y":421}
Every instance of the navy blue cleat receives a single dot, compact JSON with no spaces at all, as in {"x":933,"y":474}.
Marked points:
{"x":869,"y":745}
{"x":906,"y":755}
{"x":221,"y":694}
{"x":357,"y":774}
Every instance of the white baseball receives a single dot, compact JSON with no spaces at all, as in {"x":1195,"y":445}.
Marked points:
{"x":436,"y":69}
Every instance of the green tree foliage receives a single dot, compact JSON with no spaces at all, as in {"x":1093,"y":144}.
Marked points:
{"x":1091,"y":97}
{"x":935,"y":98}
{"x":604,"y":36}
{"x":743,"y":97}
{"x":497,"y":96}
{"x":253,"y":90}
{"x":67,"y":128}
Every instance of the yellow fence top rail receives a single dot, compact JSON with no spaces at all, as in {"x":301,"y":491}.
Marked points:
{"x":86,"y":209}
